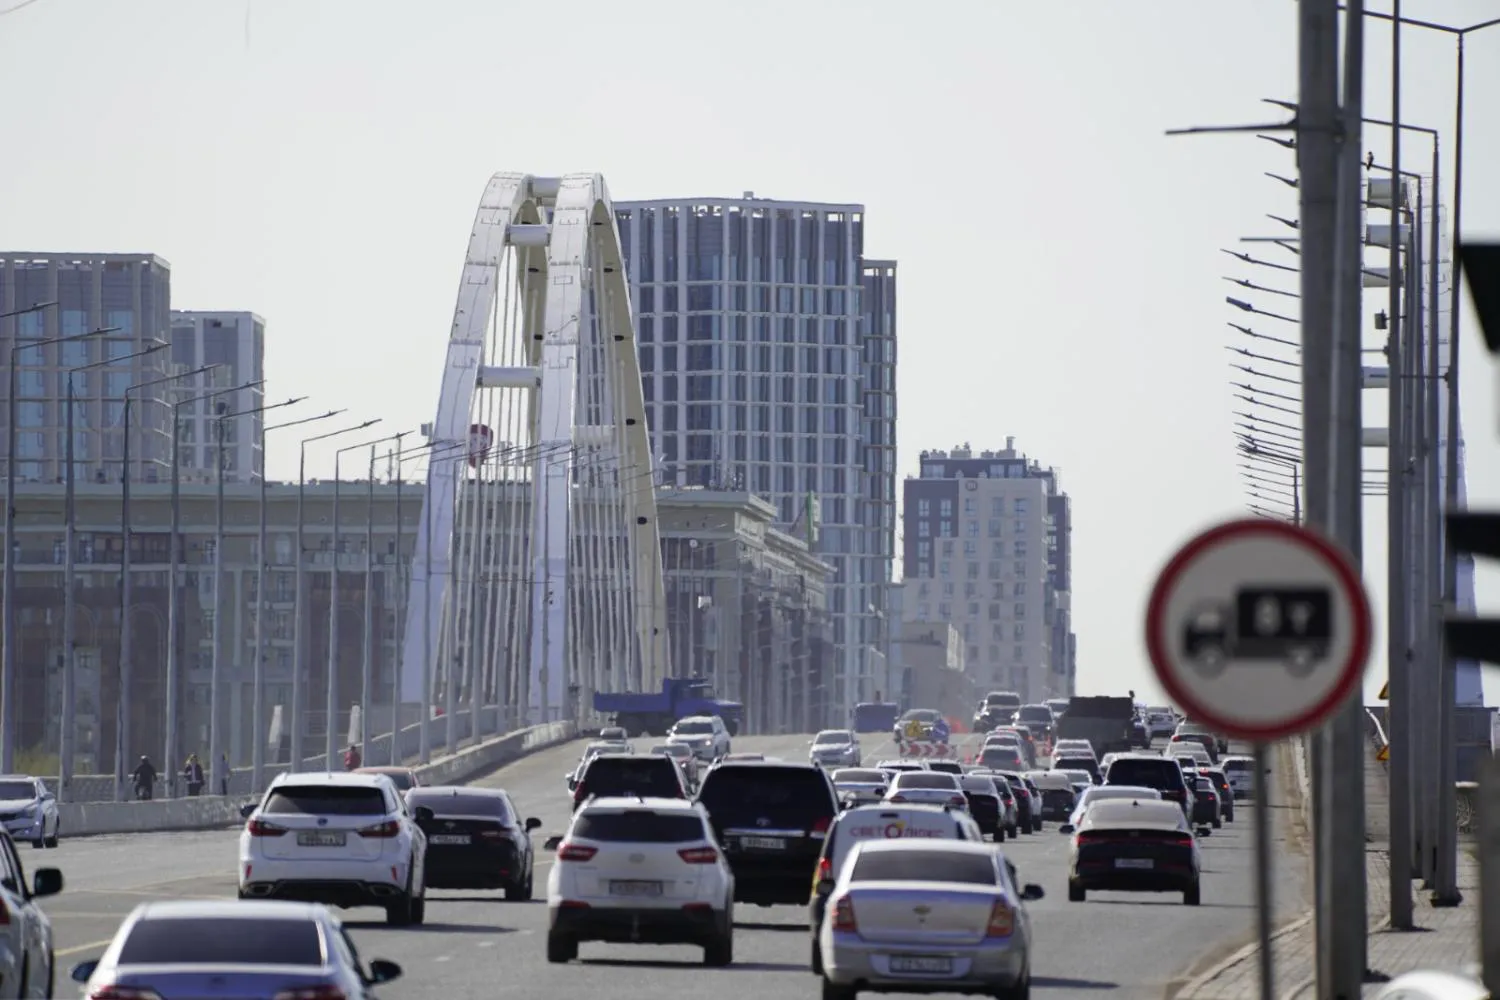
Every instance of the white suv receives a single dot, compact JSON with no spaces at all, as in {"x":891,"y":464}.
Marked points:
{"x":705,"y":735}
{"x":344,"y":839}
{"x":640,"y":871}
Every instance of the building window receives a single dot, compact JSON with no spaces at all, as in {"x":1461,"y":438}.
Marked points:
{"x":947,"y":508}
{"x":971,"y":547}
{"x":945,"y":611}
{"x":973,"y":571}
{"x":995,"y":527}
{"x":947,"y":546}
{"x":946,"y":529}
{"x":1020,"y":588}
{"x":924,"y":528}
{"x":1022,"y":505}
{"x":969,"y":506}
{"x":1020,"y":547}
{"x":1020,"y":611}
{"x":1020,"y":527}
{"x":1018,"y":631}
{"x":971,"y":528}
{"x":924,"y":508}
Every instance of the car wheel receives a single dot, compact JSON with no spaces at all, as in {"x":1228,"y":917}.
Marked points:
{"x":39,"y":843}
{"x":1076,"y":893}
{"x":1036,"y":827}
{"x":1012,"y":830}
{"x":400,"y":912}
{"x":56,"y":833}
{"x":1020,"y":991}
{"x":817,"y":959}
{"x":51,"y":974}
{"x":560,"y":948}
{"x":1190,"y":896}
{"x":719,"y":952}
{"x":838,"y":991}
{"x":419,"y":910}
{"x":519,"y":892}
{"x":1218,"y":823}
{"x":999,"y":835}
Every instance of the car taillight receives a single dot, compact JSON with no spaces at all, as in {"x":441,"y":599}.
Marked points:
{"x":575,"y":852}
{"x":825,"y":869}
{"x":1002,"y":920}
{"x":1178,"y":839}
{"x":958,"y":800}
{"x":698,"y":855}
{"x":843,"y":915}
{"x":578,"y":792}
{"x":260,"y":828}
{"x":1084,"y":839}
{"x":390,"y":828}
{"x":898,"y":798}
{"x":821,"y":826}
{"x":325,"y":992}
{"x":122,"y":993}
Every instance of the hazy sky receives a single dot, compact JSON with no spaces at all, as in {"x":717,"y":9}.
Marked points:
{"x":319,"y":162}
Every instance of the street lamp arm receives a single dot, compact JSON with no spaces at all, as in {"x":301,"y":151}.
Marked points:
{"x":305,"y":420}
{"x":220,"y":392}
{"x":38,"y":307}
{"x":261,"y":409}
{"x":125,"y":357}
{"x":169,"y":378}
{"x":344,"y":430}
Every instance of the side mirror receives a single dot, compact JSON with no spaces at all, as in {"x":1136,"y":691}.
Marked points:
{"x":382,"y":971}
{"x":533,"y":823}
{"x":422,"y":814}
{"x":825,"y":888}
{"x":1032,"y":892}
{"x":46,"y":882}
{"x":1067,"y":828}
{"x":550,"y":844}
{"x":247,"y":809}
{"x":82,"y":972}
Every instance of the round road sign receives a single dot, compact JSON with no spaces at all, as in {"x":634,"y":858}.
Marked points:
{"x":1258,"y":629}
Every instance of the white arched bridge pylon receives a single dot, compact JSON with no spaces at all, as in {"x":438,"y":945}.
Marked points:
{"x":537,"y":575}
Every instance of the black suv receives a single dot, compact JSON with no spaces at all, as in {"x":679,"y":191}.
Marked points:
{"x":629,"y":774}
{"x":771,"y":819}
{"x":1160,"y":773}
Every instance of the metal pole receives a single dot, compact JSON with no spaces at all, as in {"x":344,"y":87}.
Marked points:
{"x":122,"y":701}
{"x":1489,"y":872}
{"x":1264,"y":903}
{"x":299,"y":660}
{"x":8,"y":612}
{"x":258,"y":683}
{"x":332,"y":708}
{"x":1432,"y":551}
{"x":216,"y":665}
{"x":450,"y":658}
{"x":1398,"y":538}
{"x":68,"y":727}
{"x":366,"y":660}
{"x":1445,"y":873}
{"x":174,"y":604}
{"x":1344,"y":796}
{"x":397,"y":601}
{"x":424,"y":724}
{"x":1317,"y":187}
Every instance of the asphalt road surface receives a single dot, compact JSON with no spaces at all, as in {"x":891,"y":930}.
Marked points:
{"x":475,"y":944}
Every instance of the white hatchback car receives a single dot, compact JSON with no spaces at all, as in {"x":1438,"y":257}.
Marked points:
{"x":640,"y":871}
{"x":344,"y":839}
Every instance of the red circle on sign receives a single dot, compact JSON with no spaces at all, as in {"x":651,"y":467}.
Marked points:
{"x":1353,"y":591}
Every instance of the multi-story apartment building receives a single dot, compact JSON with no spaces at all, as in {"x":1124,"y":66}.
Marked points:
{"x":236,"y":342}
{"x":986,"y":546}
{"x":767,"y":346}
{"x":126,"y":298}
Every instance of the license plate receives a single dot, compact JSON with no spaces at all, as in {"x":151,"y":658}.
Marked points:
{"x":634,"y":888}
{"x":448,"y":838}
{"x":1134,"y":863}
{"x":763,"y":843}
{"x":321,"y":838}
{"x":930,"y":964}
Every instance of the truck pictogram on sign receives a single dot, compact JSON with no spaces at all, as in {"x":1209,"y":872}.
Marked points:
{"x":1292,"y":625}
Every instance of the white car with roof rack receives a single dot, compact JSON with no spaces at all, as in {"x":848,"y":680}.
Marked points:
{"x":705,"y":735}
{"x":640,"y":871}
{"x":339,"y":838}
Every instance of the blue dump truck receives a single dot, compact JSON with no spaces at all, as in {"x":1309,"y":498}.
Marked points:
{"x":1107,"y":723}
{"x":875,"y":716}
{"x":656,"y":712}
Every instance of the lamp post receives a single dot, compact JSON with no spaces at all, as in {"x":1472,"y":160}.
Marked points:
{"x":126,"y":669}
{"x":174,"y":590}
{"x":217,"y":659}
{"x":366,"y":664}
{"x":299,"y":660}
{"x":67,"y":731}
{"x":8,"y":666}
{"x":257,"y":726}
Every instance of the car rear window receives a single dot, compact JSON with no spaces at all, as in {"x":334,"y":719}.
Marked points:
{"x":403,"y":780}
{"x":1236,"y":765}
{"x":979,"y":784}
{"x":638,"y":826}
{"x":997,"y":755}
{"x":449,"y":804}
{"x":636,"y":775}
{"x":1150,"y":773}
{"x":203,"y":940}
{"x":792,"y":796}
{"x":925,"y":779}
{"x":326,"y":800}
{"x":924,"y":866}
{"x":853,"y":777}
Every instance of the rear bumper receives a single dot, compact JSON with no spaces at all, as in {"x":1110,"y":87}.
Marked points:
{"x":467,"y":868}
{"x":850,"y":960}
{"x":1129,"y":881}
{"x":763,"y":882}
{"x":698,"y":925}
{"x":331,"y":892}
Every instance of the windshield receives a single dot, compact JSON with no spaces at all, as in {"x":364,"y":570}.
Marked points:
{"x":17,"y":790}
{"x":1035,"y":713}
{"x":402,"y":779}
{"x":836,"y":736}
{"x":924,"y":866}
{"x":671,"y":750}
{"x":695,"y":729}
{"x":460,"y":804}
{"x":920,"y":715}
{"x":210,"y":940}
{"x":1151,"y":773}
{"x":850,"y":776}
{"x":325,"y":800}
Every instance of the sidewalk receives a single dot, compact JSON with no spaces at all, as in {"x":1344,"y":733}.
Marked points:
{"x":1445,"y":939}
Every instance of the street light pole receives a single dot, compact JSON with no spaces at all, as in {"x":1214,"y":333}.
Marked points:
{"x":399,"y":590}
{"x":68,"y":730}
{"x":258,"y":726}
{"x":174,"y":571}
{"x":216,"y":666}
{"x":367,"y":662}
{"x":299,"y":658}
{"x":126,"y":669}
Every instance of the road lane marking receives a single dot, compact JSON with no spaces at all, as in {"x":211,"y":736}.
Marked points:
{"x":91,"y":946}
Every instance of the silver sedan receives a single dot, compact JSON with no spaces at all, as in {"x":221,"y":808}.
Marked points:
{"x":924,"y":916}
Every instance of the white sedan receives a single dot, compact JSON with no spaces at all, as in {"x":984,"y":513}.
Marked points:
{"x":1101,"y":793}
{"x":927,"y":788}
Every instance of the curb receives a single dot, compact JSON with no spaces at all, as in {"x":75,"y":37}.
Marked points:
{"x":1241,"y":954}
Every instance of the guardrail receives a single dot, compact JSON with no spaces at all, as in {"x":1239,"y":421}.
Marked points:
{"x":1464,"y":791}
{"x":209,"y":812}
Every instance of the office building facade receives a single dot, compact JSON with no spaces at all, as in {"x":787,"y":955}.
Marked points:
{"x":236,"y":342}
{"x":126,"y":298}
{"x":767,"y":346}
{"x":986,"y":546}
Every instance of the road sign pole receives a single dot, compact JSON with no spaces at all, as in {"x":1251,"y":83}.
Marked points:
{"x":1264,"y":904}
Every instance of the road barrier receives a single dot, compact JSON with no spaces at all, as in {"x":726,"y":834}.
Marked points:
{"x":209,"y":812}
{"x":925,"y":749}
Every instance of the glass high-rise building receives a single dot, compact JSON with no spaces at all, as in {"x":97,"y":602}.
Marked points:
{"x":236,"y":342}
{"x":768,"y":356}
